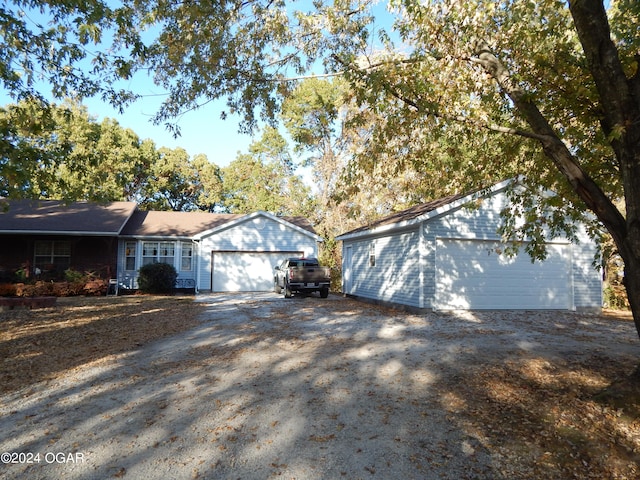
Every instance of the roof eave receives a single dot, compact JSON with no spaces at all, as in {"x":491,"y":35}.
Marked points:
{"x":158,"y":237}
{"x":391,"y":227}
{"x":64,"y":233}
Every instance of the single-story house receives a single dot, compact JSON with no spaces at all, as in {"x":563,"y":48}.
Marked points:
{"x":447,"y":255}
{"x":211,"y":252}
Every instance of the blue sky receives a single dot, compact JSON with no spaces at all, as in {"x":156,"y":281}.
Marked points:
{"x":202,"y":131}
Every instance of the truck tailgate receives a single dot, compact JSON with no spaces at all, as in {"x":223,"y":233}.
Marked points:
{"x":310,"y":274}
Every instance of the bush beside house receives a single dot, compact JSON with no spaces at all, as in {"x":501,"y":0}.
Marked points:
{"x":157,"y":278}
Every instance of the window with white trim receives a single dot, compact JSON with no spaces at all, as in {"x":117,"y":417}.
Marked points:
{"x":187,"y":255}
{"x":130,"y":255}
{"x":158,"y":252}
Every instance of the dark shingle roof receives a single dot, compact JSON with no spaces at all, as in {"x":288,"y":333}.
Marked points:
{"x":114,"y":218}
{"x":408,"y":214}
{"x":427,"y":210}
{"x":180,"y":224}
{"x":301,"y":222}
{"x":52,"y":216}
{"x":188,"y":224}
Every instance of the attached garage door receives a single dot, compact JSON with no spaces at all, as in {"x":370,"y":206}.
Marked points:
{"x":471,"y":274}
{"x":245,"y":271}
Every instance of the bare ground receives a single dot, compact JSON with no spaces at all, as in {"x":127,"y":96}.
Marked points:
{"x":44,"y":343}
{"x":255,"y":386}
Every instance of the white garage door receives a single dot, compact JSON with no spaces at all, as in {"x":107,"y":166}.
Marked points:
{"x":470,"y":274}
{"x":244,"y":271}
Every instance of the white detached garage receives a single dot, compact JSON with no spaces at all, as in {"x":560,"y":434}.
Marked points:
{"x":446,"y":256}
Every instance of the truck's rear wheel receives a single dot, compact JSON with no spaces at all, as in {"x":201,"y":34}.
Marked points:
{"x":324,"y":292}
{"x":287,"y":291}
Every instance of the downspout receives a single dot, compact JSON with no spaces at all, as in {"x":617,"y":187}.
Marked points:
{"x":197,"y":264}
{"x":117,"y":272}
{"x":422,"y":257}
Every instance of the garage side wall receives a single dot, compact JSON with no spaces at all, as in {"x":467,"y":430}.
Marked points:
{"x":386,"y":268}
{"x":258,"y":234}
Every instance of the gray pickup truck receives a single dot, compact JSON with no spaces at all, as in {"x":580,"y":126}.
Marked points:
{"x":304,"y":275}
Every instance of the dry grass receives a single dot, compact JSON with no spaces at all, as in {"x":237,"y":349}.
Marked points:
{"x":40,"y":344}
{"x":549,"y":421}
{"x":575,"y":418}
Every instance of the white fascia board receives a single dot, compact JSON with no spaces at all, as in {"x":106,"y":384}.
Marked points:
{"x":377,"y":231}
{"x":156,"y":238}
{"x":392,"y":227}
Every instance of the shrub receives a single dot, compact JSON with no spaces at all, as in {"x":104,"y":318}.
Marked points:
{"x":19,"y":289}
{"x":21,"y":275}
{"x":44,"y":289}
{"x":73,"y":276}
{"x":157,"y":278}
{"x":7,"y":290}
{"x":68,"y":289}
{"x":95,"y":287}
{"x":39,"y":289}
{"x":615,"y":296}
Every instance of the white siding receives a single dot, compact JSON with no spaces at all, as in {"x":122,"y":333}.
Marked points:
{"x":395,"y":277}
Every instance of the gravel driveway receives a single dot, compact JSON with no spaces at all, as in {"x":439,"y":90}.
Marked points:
{"x":305,"y":388}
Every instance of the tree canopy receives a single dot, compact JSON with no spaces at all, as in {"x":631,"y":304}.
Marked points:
{"x":264,"y":179}
{"x":62,"y":152}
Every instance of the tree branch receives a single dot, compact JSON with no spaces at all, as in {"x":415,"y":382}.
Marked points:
{"x":554,"y":148}
{"x":420,"y":107}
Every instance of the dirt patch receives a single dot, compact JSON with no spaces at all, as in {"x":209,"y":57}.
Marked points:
{"x":41,"y":344}
{"x":262,"y":387}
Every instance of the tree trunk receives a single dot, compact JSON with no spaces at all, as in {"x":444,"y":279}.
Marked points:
{"x":632,"y":284}
{"x":620,"y":102}
{"x":621,"y":113}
